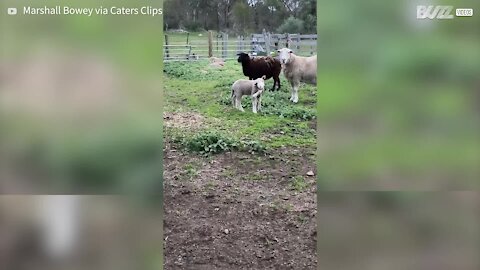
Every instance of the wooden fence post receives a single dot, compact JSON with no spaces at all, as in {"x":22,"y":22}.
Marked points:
{"x":242,"y":39}
{"x":210,"y":44}
{"x":239,"y":45}
{"x":189,"y":52}
{"x":167,"y":54}
{"x":298,"y":42}
{"x":224,"y":45}
{"x":311,"y":47}
{"x":267,"y":43}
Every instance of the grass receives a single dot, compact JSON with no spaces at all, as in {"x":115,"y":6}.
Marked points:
{"x":298,"y":183}
{"x":195,"y":87}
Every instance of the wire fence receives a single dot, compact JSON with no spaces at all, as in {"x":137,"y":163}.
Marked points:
{"x":225,"y":47}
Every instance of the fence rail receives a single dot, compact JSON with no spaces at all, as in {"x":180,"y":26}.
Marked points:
{"x":224,"y":47}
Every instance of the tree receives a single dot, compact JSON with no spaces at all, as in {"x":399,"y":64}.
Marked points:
{"x":238,"y":15}
{"x":242,"y":17}
{"x":292,"y":25}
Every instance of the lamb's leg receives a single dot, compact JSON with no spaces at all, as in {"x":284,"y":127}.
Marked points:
{"x":278,"y":83}
{"x":254,"y":104}
{"x":259,"y":103}
{"x":239,"y":104}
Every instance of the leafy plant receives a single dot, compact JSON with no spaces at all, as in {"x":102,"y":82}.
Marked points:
{"x":213,"y":142}
{"x":210,"y":142}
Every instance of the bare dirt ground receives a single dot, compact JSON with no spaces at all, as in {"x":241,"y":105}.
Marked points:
{"x":240,"y":211}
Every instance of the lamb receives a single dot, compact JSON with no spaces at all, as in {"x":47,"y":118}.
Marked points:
{"x":254,"y":88}
{"x":257,"y":67}
{"x":298,"y":69}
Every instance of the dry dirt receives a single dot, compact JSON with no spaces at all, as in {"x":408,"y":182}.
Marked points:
{"x":239,"y":211}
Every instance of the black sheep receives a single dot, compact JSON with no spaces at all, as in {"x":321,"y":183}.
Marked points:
{"x":259,"y":66}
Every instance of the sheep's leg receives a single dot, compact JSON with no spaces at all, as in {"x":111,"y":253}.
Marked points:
{"x":276,"y":82}
{"x":254,"y":104}
{"x":295,"y":93}
{"x":292,"y":95}
{"x":259,"y":103}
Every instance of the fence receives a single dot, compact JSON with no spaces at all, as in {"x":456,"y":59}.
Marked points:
{"x":220,"y":45}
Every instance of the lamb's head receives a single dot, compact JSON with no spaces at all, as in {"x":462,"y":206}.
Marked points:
{"x":243,"y":57}
{"x":260,"y":83}
{"x":285,"y":54}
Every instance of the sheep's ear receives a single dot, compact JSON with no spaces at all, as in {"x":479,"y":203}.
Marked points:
{"x":264,"y":77}
{"x":256,"y":84}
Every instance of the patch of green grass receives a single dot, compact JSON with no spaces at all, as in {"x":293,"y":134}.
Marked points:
{"x":210,"y":185}
{"x":191,"y":170}
{"x":257,"y":176}
{"x":275,"y":103}
{"x":298,"y":183}
{"x":197,"y":87}
{"x":228,"y":173}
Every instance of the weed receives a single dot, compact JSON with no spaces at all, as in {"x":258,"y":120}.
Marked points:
{"x":298,"y":183}
{"x":213,"y":142}
{"x":210,"y":142}
{"x":191,"y":170}
{"x":210,"y":185}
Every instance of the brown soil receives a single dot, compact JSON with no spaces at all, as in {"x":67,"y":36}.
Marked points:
{"x":240,"y":211}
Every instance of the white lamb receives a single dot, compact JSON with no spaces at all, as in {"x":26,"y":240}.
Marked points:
{"x":298,"y":69}
{"x":252,"y":88}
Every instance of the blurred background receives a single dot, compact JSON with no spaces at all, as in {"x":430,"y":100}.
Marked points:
{"x":78,"y":232}
{"x":398,"y":230}
{"x":80,"y":101}
{"x":239,"y":17}
{"x":398,"y":97}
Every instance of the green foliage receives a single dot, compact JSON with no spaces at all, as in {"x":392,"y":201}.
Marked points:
{"x":210,"y":142}
{"x":242,"y":17}
{"x":200,"y":71}
{"x":292,"y":25}
{"x":238,"y":16}
{"x":193,"y":26}
{"x":213,"y":142}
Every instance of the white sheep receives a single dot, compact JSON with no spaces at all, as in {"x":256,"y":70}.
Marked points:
{"x":298,"y":69}
{"x":252,"y":88}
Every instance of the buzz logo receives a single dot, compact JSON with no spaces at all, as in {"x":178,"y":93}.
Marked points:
{"x":434,"y":12}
